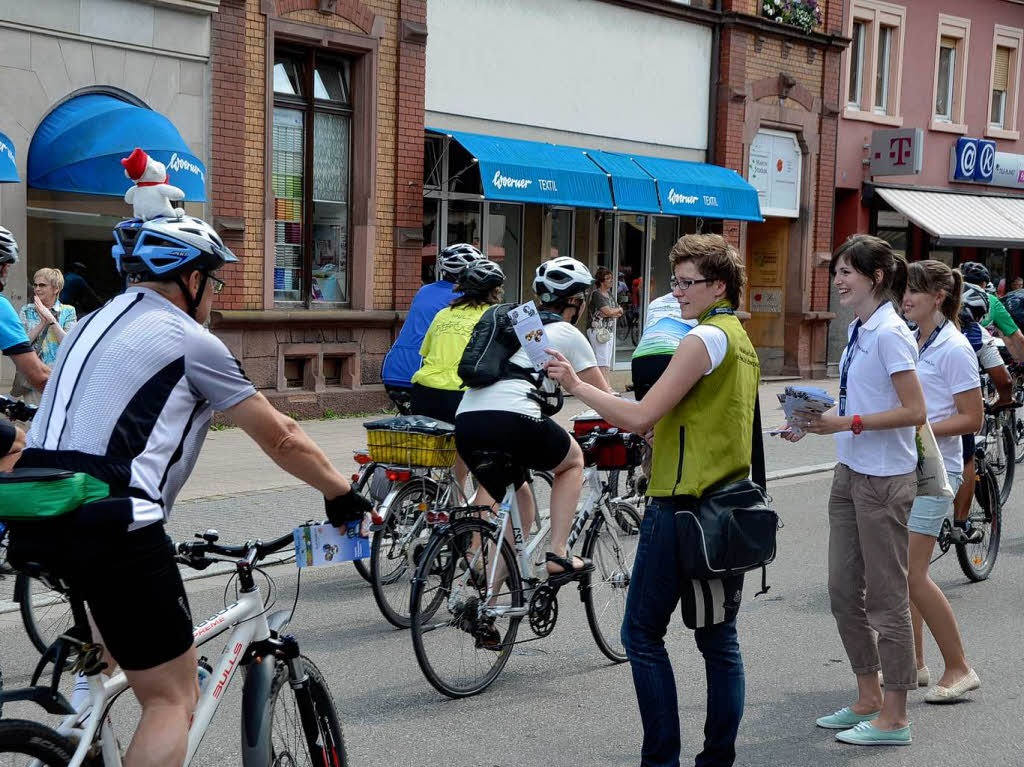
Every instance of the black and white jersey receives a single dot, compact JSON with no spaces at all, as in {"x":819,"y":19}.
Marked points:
{"x":130,"y":399}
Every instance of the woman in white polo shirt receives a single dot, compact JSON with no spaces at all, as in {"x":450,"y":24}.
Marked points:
{"x":874,"y":486}
{"x":948,"y":369}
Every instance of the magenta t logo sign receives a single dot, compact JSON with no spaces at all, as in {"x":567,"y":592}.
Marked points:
{"x":900,"y":150}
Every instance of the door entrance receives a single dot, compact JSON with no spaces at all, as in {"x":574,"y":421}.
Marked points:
{"x":767,"y":259}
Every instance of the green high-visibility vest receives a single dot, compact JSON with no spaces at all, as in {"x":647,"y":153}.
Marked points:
{"x":705,"y":440}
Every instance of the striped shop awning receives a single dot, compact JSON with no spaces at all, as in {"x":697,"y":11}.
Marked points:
{"x":962,"y":219}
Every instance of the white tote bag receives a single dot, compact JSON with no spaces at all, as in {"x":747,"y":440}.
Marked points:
{"x":931,"y":471}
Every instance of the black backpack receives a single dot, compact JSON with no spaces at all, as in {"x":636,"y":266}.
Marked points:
{"x":487,"y":356}
{"x":1014,"y":303}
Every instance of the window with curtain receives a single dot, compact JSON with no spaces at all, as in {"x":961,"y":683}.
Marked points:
{"x":856,"y":63}
{"x":882,"y":66}
{"x":1000,"y":86}
{"x":310,"y":178}
{"x":945,"y":86}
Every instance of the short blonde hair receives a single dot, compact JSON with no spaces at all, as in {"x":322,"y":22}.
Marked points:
{"x":53,"y":276}
{"x":715,"y":259}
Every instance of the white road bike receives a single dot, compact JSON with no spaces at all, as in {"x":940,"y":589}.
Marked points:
{"x":288,"y":715}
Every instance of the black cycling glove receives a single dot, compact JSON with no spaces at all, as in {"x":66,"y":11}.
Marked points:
{"x":346,"y":508}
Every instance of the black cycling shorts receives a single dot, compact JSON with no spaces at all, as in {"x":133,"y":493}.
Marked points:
{"x":441,"y":404}
{"x":968,"y":446}
{"x":646,"y":371}
{"x":8,"y":434}
{"x":129,"y":580}
{"x":532,"y":443}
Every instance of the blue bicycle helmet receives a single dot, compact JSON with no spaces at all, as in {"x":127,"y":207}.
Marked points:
{"x":163,"y":248}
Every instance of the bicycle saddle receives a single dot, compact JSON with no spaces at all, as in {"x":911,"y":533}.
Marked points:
{"x":493,"y":460}
{"x":34,"y":475}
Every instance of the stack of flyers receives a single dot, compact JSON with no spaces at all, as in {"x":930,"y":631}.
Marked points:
{"x":805,"y":399}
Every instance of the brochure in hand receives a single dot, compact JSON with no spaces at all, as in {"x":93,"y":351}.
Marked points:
{"x":529,"y":330}
{"x":806,"y":399}
{"x":317,"y":545}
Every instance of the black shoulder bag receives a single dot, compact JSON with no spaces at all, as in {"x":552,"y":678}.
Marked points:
{"x":731,"y":529}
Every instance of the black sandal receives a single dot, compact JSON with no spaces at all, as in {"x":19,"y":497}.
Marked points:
{"x":569,"y":571}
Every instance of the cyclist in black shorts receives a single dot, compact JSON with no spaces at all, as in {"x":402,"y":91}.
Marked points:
{"x":129,"y":402}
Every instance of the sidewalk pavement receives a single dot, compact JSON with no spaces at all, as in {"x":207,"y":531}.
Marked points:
{"x":231,"y":463}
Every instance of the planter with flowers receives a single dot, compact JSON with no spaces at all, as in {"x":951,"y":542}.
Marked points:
{"x":803,"y":14}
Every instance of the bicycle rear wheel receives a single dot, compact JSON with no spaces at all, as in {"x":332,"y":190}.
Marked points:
{"x":613,"y":550}
{"x":22,"y":741}
{"x":449,"y":625}
{"x":46,"y":613}
{"x":289,"y":743}
{"x":978,"y":559}
{"x":1008,"y":451}
{"x":397,"y":548}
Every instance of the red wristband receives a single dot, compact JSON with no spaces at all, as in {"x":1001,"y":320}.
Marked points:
{"x":857,"y":426}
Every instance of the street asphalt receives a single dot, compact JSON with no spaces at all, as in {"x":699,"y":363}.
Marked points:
{"x":559,"y":701}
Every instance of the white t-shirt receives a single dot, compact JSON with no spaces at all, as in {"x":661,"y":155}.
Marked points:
{"x":885,"y":346}
{"x":988,"y":355}
{"x":715,"y":341}
{"x":511,"y":396}
{"x":664,"y":306}
{"x":946,"y":368}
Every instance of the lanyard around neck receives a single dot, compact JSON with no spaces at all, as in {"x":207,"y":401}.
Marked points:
{"x":931,"y":338}
{"x":851,"y":347}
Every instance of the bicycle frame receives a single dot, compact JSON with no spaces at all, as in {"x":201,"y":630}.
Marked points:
{"x":509,"y":519}
{"x":246,"y":619}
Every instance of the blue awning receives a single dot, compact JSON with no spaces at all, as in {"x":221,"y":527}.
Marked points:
{"x":697,"y":189}
{"x":8,"y":168}
{"x":79,"y":146}
{"x":633,"y":188}
{"x":531,"y":171}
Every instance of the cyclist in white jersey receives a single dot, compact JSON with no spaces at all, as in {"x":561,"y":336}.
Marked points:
{"x":129,"y":402}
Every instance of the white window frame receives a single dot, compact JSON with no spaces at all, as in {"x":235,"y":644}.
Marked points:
{"x":958,"y":29}
{"x":875,"y":14}
{"x":950,"y":85}
{"x":1012,"y":38}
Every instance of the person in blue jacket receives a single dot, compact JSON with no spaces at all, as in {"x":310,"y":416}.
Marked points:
{"x":404,"y":357}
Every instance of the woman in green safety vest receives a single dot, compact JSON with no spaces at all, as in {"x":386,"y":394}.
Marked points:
{"x":702,"y":412}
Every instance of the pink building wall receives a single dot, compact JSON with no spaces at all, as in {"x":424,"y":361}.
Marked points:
{"x":918,"y":93}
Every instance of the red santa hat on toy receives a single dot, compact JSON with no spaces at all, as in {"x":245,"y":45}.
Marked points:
{"x":135,"y":164}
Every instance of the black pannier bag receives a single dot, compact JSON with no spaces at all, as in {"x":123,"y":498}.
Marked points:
{"x":731,"y":529}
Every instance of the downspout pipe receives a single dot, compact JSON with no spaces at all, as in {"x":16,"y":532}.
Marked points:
{"x":714,"y":77}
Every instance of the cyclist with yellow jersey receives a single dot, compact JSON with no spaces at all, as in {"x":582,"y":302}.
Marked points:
{"x":436,"y":386}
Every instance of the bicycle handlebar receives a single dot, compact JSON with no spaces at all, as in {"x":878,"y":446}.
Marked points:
{"x":1000,"y":407}
{"x":195,"y":554}
{"x":588,"y":441}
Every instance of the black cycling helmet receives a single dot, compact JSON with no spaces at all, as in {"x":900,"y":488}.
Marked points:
{"x":455,"y":258}
{"x":479,"y":279}
{"x":975,"y":273}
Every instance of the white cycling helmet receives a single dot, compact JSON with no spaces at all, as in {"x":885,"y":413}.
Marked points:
{"x":975,"y":300}
{"x":8,"y":247}
{"x":453,"y":260}
{"x":561,"y":277}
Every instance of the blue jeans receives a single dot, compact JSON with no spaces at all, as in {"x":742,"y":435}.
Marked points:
{"x":654,"y":592}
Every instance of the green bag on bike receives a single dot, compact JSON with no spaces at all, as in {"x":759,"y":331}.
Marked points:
{"x":37,"y":494}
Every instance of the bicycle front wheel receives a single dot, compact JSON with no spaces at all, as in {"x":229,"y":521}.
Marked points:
{"x":304,"y":737}
{"x":46,"y":613}
{"x":22,"y":741}
{"x":397,"y":548}
{"x":978,"y":559}
{"x":613,"y":550}
{"x":462,"y":641}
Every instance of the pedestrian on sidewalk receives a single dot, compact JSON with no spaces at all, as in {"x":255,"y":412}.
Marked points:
{"x":46,"y":321}
{"x":707,"y":393}
{"x":948,"y":370}
{"x":603,"y":313}
{"x":875,"y":482}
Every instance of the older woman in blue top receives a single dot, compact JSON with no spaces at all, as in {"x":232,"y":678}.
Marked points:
{"x":45,"y":319}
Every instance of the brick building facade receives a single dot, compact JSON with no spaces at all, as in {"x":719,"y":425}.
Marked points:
{"x":777,"y":111}
{"x":317,"y":140}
